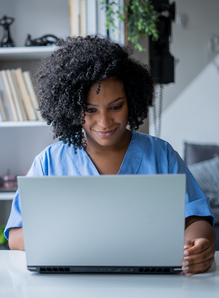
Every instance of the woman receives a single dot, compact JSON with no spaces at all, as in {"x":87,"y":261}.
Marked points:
{"x":90,"y":90}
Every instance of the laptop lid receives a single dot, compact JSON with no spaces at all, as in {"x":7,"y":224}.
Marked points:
{"x":85,"y":224}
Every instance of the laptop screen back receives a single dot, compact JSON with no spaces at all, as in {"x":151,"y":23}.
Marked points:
{"x":127,"y":220}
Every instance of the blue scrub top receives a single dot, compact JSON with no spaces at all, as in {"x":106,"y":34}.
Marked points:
{"x":145,"y":155}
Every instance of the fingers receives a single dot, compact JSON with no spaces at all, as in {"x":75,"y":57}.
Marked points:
{"x":198,"y":256}
{"x":197,"y":246}
{"x":198,"y":268}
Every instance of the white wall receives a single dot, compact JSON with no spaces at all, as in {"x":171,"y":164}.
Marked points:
{"x":189,"y":44}
{"x":36,"y":18}
{"x":191,"y":105}
{"x":194,"y":115}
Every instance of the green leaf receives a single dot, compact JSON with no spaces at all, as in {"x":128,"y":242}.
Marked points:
{"x":2,"y":238}
{"x":141,"y":18}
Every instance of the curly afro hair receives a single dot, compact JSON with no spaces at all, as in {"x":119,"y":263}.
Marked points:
{"x":64,"y":79}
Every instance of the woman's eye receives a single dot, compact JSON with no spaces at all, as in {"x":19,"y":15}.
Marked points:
{"x":116,"y":107}
{"x":91,"y":111}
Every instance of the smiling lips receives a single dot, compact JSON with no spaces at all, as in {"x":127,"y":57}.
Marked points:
{"x":106,"y":134}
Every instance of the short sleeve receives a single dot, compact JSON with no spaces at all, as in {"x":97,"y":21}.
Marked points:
{"x":15,"y":218}
{"x":197,"y":204}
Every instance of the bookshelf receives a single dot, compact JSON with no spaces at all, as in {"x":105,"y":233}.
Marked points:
{"x":7,"y":196}
{"x":21,"y":141}
{"x":22,"y":124}
{"x":22,"y":132}
{"x":25,"y":53}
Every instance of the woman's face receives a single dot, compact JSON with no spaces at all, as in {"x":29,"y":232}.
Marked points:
{"x":106,"y":117}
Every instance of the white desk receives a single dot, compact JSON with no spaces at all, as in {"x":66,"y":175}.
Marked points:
{"x":17,"y":281}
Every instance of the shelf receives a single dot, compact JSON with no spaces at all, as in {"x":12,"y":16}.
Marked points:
{"x":7,"y":196}
{"x":23,"y":123}
{"x":24,"y":53}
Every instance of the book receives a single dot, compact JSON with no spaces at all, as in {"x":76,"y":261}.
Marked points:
{"x":14,"y":95}
{"x":18,"y":92}
{"x":30,"y":88}
{"x":8,"y":97}
{"x":4,"y":108}
{"x":2,"y":113}
{"x":74,"y":17}
{"x":1,"y":119}
{"x":25,"y":96}
{"x":4,"y":118}
{"x":77,"y":24}
{"x":83,"y":18}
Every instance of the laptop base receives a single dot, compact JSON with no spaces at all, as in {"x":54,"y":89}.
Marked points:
{"x":90,"y":269}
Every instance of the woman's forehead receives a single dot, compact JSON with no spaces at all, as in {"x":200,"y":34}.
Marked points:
{"x":107,"y":84}
{"x":109,"y":90}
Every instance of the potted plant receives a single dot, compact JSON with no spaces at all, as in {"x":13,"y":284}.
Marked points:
{"x":138,"y":15}
{"x":3,"y":241}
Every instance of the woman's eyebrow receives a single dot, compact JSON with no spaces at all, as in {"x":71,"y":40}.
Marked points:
{"x":117,"y":99}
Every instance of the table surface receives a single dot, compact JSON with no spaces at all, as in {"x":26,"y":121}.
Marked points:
{"x":17,"y":281}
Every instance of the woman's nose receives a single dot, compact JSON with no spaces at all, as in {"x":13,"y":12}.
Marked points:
{"x":104,"y":120}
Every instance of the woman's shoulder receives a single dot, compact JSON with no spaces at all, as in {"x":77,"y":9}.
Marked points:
{"x":158,"y":149}
{"x":52,"y":150}
{"x":150,"y":141}
{"x":59,"y":159}
{"x":59,"y":148}
{"x":157,"y":155}
{"x":59,"y":152}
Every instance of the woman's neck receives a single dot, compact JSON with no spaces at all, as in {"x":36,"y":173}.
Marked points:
{"x":108,"y":159}
{"x":94,"y":148}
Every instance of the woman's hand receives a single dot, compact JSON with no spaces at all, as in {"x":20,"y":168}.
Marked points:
{"x":16,"y":239}
{"x":198,"y":256}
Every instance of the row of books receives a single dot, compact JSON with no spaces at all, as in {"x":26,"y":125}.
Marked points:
{"x":77,"y":10}
{"x":18,"y":100}
{"x":89,"y":17}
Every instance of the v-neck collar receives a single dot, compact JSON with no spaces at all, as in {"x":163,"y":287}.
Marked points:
{"x":130,"y":163}
{"x":133,"y":156}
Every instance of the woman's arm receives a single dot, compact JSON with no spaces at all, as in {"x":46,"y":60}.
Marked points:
{"x":16,"y":239}
{"x":199,"y":245}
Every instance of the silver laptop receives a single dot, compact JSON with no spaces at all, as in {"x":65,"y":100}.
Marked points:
{"x":103,"y":224}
